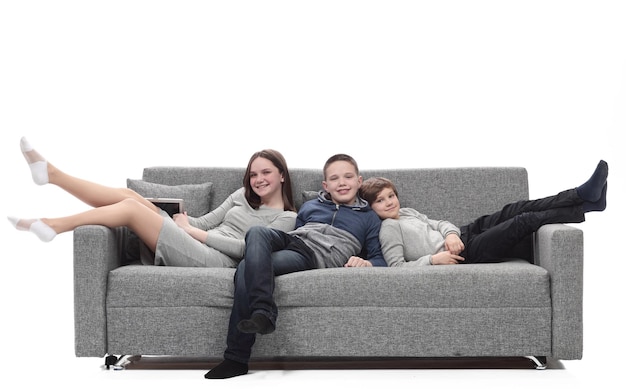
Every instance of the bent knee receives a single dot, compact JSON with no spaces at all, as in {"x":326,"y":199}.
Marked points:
{"x":130,"y":194}
{"x":132,"y":203}
{"x":256,"y":231}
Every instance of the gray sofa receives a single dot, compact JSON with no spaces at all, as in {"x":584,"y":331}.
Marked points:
{"x":531,"y":306}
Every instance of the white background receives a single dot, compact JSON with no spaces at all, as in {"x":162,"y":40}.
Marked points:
{"x":105,"y":88}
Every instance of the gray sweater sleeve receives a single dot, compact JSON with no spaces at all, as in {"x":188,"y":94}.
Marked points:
{"x":412,"y":239}
{"x":235,"y":246}
{"x":227,"y":225}
{"x":215,"y":217}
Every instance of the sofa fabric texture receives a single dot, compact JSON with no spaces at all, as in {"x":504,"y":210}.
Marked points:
{"x":531,"y":305}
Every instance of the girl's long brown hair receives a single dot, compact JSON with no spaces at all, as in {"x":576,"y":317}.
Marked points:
{"x":279,"y":161}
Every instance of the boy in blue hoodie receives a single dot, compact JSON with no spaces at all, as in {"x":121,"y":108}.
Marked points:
{"x":338,"y":229}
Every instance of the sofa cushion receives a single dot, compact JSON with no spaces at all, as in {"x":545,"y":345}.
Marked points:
{"x":491,"y":310}
{"x":197,"y":197}
{"x":169,"y":286}
{"x":484,"y":286}
{"x":508,"y":284}
{"x":309,"y":195}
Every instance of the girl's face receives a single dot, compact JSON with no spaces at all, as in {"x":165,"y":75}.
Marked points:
{"x":342,"y":182}
{"x":265,"y":179}
{"x":386,"y":205}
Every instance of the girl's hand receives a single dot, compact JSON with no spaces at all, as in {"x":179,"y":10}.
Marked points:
{"x":181,"y":220}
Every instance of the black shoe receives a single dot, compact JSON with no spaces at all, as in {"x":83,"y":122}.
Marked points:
{"x":257,"y":324}
{"x":599,"y":205}
{"x":591,"y":190}
{"x":227,"y":369}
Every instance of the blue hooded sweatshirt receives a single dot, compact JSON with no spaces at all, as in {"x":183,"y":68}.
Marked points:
{"x":336,"y":232}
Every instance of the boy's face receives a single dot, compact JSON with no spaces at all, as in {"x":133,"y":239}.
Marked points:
{"x":386,"y":205}
{"x":342,"y":182}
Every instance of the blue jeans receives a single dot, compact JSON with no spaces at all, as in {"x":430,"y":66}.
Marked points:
{"x":269,"y":253}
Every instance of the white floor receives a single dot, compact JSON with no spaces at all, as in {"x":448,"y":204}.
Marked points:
{"x":575,"y":374}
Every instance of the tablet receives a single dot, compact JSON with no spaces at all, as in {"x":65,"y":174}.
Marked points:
{"x":169,"y":205}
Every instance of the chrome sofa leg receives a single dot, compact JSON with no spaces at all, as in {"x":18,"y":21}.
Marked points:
{"x":540,"y":362}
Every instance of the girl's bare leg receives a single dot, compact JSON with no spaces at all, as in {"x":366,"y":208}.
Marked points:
{"x":91,"y":193}
{"x":142,"y":220}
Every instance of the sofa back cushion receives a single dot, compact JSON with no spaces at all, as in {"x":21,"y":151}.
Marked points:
{"x":458,"y":195}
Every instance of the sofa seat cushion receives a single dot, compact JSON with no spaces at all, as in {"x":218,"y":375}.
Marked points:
{"x":502,"y":285}
{"x":165,"y":286}
{"x":509,"y":284}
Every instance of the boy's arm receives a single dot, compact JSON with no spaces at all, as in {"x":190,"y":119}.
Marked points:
{"x":371,"y":247}
{"x":374,"y":251}
{"x":378,"y":261}
{"x":301,"y":216}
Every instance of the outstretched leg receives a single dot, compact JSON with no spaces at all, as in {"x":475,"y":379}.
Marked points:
{"x":484,"y":223}
{"x":490,"y":237}
{"x":592,"y":195}
{"x":142,"y":220}
{"x":494,"y":244}
{"x":93,"y":194}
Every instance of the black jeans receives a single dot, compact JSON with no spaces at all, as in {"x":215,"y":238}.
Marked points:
{"x":489,"y":238}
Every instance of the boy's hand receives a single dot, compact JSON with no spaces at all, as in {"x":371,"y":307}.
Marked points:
{"x":357,"y":262}
{"x":446,"y":258}
{"x":454,"y":244}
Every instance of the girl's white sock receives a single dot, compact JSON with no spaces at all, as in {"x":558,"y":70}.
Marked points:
{"x":36,"y":226}
{"x":38,"y":164}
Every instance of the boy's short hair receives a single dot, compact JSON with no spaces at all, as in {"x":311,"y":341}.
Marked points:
{"x":341,"y":157}
{"x":371,"y":188}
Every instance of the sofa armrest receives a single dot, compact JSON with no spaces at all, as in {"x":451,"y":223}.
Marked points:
{"x":559,"y":249}
{"x":97,"y":251}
